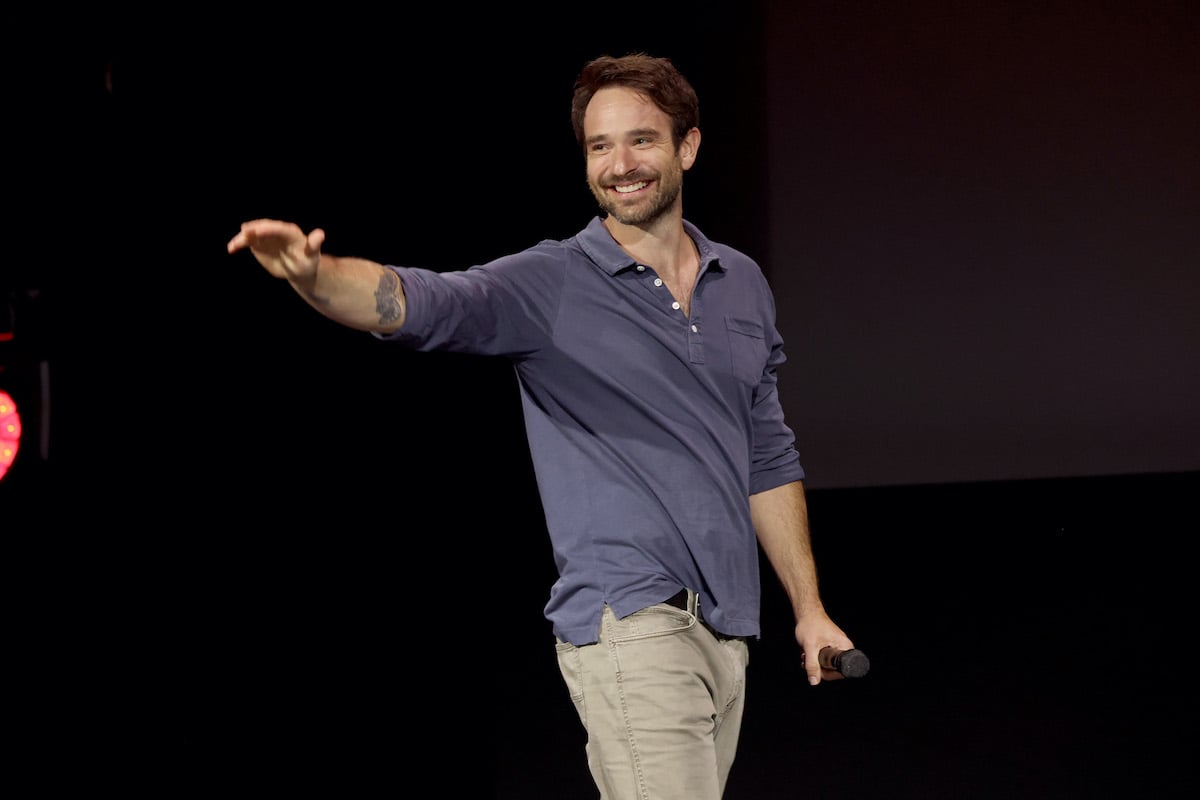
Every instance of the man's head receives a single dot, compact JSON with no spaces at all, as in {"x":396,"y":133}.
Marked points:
{"x":636,"y":118}
{"x":655,"y":78}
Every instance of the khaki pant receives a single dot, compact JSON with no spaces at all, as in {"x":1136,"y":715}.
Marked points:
{"x":661,"y":699}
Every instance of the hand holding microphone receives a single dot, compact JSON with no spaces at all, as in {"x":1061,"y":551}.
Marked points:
{"x":851,"y":663}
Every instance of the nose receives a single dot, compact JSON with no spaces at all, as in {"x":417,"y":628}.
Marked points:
{"x":623,"y":160}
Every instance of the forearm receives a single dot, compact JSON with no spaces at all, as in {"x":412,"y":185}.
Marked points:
{"x":780,"y":517}
{"x":355,"y":292}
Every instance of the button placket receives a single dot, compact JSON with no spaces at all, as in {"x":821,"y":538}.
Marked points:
{"x":658,"y":283}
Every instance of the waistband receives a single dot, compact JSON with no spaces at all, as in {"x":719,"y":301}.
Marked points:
{"x":689,"y":601}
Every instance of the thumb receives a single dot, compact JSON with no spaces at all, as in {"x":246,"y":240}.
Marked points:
{"x":316,"y":238}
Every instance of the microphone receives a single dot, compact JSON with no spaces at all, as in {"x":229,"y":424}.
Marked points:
{"x":851,"y":663}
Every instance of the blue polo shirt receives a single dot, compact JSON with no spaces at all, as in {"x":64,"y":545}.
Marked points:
{"x":648,"y":430}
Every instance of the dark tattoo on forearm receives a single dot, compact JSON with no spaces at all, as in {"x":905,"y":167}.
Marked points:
{"x":387,"y":298}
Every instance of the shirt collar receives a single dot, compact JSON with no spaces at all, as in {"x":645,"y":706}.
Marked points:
{"x":601,"y":248}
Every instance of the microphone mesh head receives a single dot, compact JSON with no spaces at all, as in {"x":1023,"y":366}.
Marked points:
{"x":854,"y":663}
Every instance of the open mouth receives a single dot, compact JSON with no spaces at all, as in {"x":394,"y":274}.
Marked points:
{"x":627,"y":188}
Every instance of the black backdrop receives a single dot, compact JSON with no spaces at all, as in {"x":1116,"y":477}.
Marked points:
{"x":983,"y":231}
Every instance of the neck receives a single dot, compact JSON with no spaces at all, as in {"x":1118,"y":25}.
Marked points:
{"x":662,"y":243}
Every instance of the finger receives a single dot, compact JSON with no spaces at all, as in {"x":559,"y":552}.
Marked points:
{"x":315,"y":239}
{"x":812,"y":667}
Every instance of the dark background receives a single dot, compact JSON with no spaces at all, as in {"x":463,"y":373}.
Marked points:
{"x":283,"y":555}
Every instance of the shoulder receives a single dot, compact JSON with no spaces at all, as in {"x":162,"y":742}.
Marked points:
{"x":730,"y":258}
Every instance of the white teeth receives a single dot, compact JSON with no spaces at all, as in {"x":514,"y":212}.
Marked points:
{"x":633,"y":187}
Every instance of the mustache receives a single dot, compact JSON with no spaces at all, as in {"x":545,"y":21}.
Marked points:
{"x":631,"y":177}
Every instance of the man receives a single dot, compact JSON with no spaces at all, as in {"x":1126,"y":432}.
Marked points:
{"x":646,"y":356}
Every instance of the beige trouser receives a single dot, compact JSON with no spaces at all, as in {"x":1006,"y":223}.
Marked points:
{"x":661,"y":699}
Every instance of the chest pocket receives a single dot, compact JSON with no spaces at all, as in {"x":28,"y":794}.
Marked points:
{"x":747,"y":349}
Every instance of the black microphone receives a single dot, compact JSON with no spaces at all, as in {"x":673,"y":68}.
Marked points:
{"x":851,"y":663}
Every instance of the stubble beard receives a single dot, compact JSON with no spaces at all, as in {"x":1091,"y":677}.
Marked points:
{"x":644,"y":211}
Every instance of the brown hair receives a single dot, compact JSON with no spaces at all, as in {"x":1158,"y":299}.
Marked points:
{"x":656,"y":78}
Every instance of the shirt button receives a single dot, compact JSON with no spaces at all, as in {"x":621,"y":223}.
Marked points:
{"x":640,"y":268}
{"x":675,"y":306}
{"x":695,"y":329}
{"x":658,"y":281}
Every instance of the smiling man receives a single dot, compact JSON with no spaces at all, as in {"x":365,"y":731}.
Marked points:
{"x":647,"y":360}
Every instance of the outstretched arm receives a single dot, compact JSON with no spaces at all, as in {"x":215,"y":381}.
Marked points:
{"x":780,"y":518}
{"x":353,"y":291}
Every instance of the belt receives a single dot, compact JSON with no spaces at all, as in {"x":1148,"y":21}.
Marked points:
{"x":680,"y":601}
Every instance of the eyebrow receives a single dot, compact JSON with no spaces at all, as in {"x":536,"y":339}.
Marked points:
{"x":633,"y":134}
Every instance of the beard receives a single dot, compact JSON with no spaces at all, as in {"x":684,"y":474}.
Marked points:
{"x":645,"y":208}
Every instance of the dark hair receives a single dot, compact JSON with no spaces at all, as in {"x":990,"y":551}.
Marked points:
{"x":656,"y":78}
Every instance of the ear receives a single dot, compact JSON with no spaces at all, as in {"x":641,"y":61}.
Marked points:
{"x":689,"y":148}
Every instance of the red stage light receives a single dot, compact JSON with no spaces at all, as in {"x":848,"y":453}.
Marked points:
{"x":10,"y":432}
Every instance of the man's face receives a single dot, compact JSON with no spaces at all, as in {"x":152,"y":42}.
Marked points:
{"x":634,"y":170}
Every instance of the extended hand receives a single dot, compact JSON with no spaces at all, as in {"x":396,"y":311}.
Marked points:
{"x":281,"y":247}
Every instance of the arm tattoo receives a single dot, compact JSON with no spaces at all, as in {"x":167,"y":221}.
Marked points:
{"x":387,"y":298}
